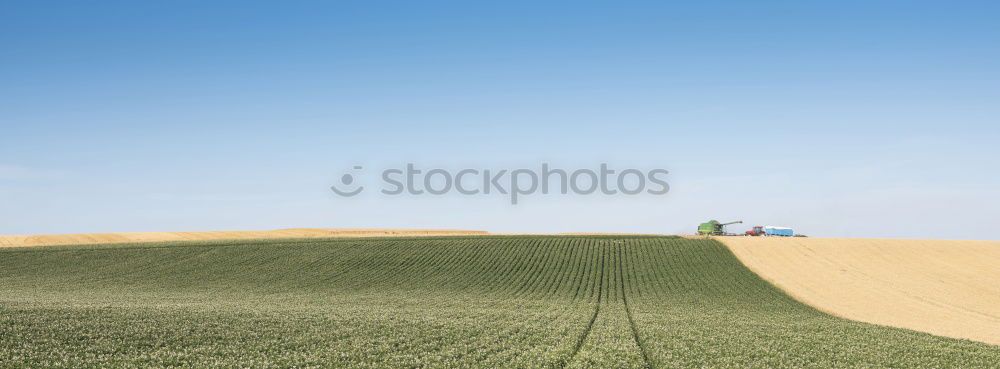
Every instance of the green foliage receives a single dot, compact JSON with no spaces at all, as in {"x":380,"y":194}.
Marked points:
{"x":487,"y":302}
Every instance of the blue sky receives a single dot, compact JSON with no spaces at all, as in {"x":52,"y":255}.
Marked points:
{"x":854,"y":119}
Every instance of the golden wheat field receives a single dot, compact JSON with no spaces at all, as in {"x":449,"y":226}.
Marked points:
{"x":128,"y":237}
{"x":947,"y":288}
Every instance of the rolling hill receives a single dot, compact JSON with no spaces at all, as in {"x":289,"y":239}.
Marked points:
{"x":462,"y":301}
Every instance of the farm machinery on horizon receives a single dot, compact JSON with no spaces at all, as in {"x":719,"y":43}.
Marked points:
{"x":716,"y":228}
{"x":770,"y":231}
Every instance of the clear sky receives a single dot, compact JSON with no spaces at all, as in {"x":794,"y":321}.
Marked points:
{"x":846,"y":118}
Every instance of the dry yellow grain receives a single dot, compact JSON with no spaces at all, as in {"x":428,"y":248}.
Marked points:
{"x":95,"y":238}
{"x":947,"y":288}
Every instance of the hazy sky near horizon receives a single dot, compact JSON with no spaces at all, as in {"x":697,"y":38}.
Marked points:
{"x":849,"y":118}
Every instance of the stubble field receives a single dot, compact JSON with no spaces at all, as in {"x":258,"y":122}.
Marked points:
{"x":949,"y":288}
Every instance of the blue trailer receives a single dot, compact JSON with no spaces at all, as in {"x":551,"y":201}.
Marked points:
{"x":778,"y":231}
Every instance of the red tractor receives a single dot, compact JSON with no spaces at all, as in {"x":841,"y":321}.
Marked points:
{"x":756,"y":231}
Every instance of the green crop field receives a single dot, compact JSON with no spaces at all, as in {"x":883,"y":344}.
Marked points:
{"x":487,"y":301}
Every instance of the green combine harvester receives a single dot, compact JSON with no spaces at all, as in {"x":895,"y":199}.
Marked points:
{"x":714,"y":228}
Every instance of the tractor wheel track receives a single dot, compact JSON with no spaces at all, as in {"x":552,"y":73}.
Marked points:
{"x":593,"y":318}
{"x":628,"y":311}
